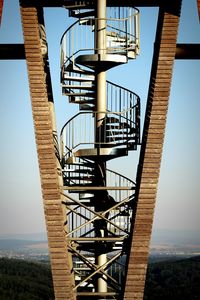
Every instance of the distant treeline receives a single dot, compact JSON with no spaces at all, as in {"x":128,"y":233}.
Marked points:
{"x":174,"y":280}
{"x":22,"y":280}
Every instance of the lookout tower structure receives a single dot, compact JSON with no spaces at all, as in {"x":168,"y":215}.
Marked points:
{"x":100,"y":201}
{"x":98,"y":220}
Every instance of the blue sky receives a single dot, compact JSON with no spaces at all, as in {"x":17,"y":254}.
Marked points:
{"x":178,"y":204}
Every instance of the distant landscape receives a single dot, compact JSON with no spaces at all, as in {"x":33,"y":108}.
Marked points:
{"x":28,"y":247}
{"x":173,"y":269}
{"x":174,"y":243}
{"x":164,"y":244}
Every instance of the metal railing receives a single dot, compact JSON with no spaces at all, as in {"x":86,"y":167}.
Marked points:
{"x":122,"y":36}
{"x":76,"y":174}
{"x":118,"y":129}
{"x":121,"y":99}
{"x":81,"y":220}
{"x":118,"y":97}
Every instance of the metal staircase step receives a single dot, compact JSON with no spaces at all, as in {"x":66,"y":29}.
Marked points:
{"x":115,"y":144}
{"x":82,"y":178}
{"x":70,"y":181}
{"x":124,"y":139}
{"x":112,"y":120}
{"x":83,"y":196}
{"x":81,"y":99}
{"x":84,"y":104}
{"x":86,"y":94}
{"x":121,"y":41}
{"x":73,"y":161}
{"x":120,"y":132}
{"x":87,"y":21}
{"x":79,"y":87}
{"x":105,"y":61}
{"x":89,"y":78}
{"x":113,"y":36}
{"x":84,"y":171}
{"x":121,"y":125}
{"x":78,"y":100}
{"x":105,"y":153}
{"x":86,"y":107}
{"x":71,"y":67}
{"x":78,"y":14}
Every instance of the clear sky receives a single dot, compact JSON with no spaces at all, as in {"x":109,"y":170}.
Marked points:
{"x":178,"y":200}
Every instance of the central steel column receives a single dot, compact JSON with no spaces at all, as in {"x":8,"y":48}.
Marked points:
{"x":101,"y":257}
{"x":101,"y":50}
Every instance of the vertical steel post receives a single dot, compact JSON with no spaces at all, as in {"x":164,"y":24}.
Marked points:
{"x":101,"y":257}
{"x":101,"y":50}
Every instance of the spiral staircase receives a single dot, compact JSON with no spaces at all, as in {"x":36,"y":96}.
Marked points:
{"x":99,"y":201}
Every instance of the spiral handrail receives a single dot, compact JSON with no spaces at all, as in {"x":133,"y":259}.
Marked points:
{"x":122,"y":37}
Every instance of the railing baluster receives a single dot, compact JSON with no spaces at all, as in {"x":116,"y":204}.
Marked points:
{"x":78,"y":132}
{"x":79,"y":37}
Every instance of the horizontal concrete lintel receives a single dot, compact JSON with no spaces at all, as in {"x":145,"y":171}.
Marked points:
{"x":12,"y":51}
{"x":72,"y":3}
{"x":94,"y":188}
{"x":187,"y":51}
{"x":17,"y":51}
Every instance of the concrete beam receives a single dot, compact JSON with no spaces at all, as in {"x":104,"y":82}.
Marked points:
{"x":187,"y":51}
{"x":114,"y":3}
{"x":12,"y":51}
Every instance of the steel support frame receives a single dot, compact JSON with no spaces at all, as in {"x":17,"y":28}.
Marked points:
{"x":95,"y":268}
{"x":97,"y":216}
